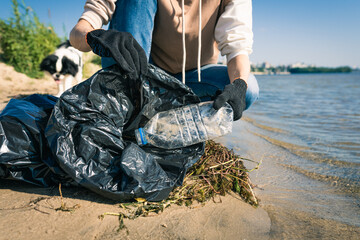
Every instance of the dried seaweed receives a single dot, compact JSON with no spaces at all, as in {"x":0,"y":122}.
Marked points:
{"x":63,"y":206}
{"x":218,"y":172}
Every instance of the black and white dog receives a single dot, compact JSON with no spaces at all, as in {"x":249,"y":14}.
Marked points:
{"x":65,"y":66}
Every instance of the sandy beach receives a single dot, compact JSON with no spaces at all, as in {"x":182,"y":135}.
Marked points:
{"x":30,"y":212}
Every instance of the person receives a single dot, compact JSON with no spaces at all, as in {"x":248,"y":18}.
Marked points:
{"x":183,"y":39}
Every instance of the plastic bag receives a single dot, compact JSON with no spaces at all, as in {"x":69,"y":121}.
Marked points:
{"x":24,"y":153}
{"x":90,"y":135}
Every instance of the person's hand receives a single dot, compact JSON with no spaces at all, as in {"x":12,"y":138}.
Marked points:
{"x":122,"y":47}
{"x":234,"y":94}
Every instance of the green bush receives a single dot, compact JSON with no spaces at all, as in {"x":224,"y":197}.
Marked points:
{"x":25,"y":42}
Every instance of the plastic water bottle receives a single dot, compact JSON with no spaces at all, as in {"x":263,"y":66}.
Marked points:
{"x":186,"y":126}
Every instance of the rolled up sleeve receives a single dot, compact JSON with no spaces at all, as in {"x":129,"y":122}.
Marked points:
{"x":233,"y":31}
{"x":98,"y":12}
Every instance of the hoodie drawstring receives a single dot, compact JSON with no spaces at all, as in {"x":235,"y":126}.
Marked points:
{"x":183,"y":41}
{"x":199,"y":44}
{"x":184,"y":45}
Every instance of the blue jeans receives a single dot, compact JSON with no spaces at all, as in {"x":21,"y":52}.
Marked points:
{"x":214,"y":77}
{"x":137,"y":17}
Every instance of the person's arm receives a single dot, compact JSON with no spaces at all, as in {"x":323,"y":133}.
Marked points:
{"x":78,"y":35}
{"x":234,"y":36}
{"x":239,"y":67}
{"x":96,"y":14}
{"x":235,"y":92}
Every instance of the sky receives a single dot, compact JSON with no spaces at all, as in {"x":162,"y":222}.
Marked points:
{"x":320,"y":32}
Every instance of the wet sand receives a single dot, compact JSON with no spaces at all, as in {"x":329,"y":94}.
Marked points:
{"x":299,"y":207}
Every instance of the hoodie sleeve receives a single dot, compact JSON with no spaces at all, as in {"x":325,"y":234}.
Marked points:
{"x":233,"y":31}
{"x":98,"y":12}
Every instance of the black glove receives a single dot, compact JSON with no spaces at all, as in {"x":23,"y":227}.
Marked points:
{"x":122,"y":47}
{"x":234,"y":94}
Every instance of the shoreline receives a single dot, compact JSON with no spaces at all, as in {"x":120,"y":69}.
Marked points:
{"x":299,"y":207}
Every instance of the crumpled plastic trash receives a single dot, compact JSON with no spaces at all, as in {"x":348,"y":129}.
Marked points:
{"x":87,"y":136}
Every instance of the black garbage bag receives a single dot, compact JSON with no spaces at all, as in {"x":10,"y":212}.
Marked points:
{"x":24,"y":152}
{"x":90,"y":136}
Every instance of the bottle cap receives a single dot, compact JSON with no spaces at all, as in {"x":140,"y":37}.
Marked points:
{"x":140,"y":137}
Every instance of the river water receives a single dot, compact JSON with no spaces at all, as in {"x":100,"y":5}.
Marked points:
{"x":305,"y":131}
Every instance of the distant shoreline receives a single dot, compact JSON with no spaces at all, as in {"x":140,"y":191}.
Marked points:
{"x":321,"y":70}
{"x":289,"y":73}
{"x":271,"y":73}
{"x":285,"y":70}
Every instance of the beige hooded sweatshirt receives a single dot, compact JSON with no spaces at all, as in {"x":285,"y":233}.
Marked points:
{"x":226,"y":25}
